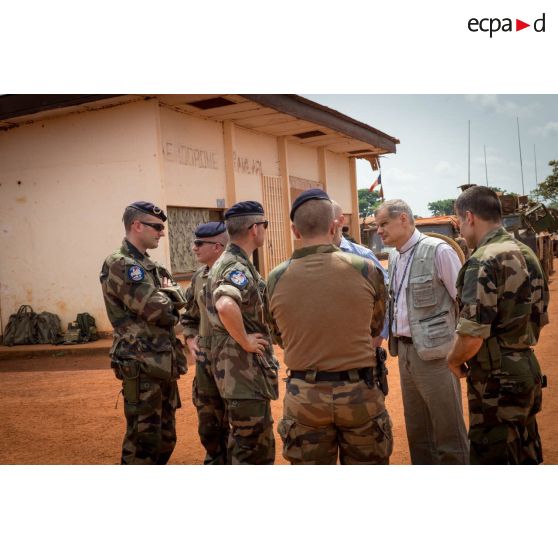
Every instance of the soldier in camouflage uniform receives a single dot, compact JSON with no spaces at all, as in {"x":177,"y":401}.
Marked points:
{"x":142,"y":302}
{"x":327,"y":306}
{"x":503,"y":297}
{"x":243,"y":363}
{"x":213,"y":429}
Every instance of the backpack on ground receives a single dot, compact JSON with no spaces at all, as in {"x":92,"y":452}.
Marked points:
{"x":88,"y":327}
{"x":21,"y":327}
{"x":48,"y":328}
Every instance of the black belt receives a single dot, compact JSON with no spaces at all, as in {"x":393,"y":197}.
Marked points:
{"x":406,"y":340}
{"x":342,"y":376}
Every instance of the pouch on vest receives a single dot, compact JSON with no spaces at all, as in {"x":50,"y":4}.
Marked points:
{"x":130,"y":372}
{"x":489,"y":356}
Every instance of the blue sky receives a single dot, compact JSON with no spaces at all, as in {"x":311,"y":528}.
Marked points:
{"x":431,"y":160}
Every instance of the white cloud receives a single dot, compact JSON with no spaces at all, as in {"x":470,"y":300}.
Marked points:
{"x":445,"y":168}
{"x":499,"y":105}
{"x":548,"y":129}
{"x":399,"y":175}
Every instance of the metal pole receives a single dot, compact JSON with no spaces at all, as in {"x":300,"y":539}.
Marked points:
{"x":469,"y":157}
{"x":520,"y":158}
{"x":536,"y":178}
{"x":485,"y":166}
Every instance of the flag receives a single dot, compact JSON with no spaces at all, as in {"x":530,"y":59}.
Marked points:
{"x":377,"y":182}
{"x":382,"y":192}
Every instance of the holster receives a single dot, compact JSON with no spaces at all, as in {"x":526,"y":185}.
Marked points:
{"x":130,"y":373}
{"x":381,"y":370}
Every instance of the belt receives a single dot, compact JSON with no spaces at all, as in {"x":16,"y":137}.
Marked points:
{"x":406,"y":340}
{"x":342,"y":376}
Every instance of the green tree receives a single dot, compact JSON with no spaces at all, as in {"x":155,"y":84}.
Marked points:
{"x":441,"y":207}
{"x":548,"y":189}
{"x":367,"y":202}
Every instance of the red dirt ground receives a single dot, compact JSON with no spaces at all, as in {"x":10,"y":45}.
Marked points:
{"x":61,"y":410}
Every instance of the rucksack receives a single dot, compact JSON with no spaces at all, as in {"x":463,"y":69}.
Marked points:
{"x":48,"y":328}
{"x":83,"y":330}
{"x":21,"y":327}
{"x":88,"y":327}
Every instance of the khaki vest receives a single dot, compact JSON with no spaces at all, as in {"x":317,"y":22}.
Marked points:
{"x":431,"y":311}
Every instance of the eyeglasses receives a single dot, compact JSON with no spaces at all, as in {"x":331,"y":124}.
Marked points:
{"x":157,"y":226}
{"x":198,"y":242}
{"x":264,"y":223}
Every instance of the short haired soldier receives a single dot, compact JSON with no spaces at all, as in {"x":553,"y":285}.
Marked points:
{"x":209,"y":242}
{"x":503,"y":298}
{"x":143,"y":302}
{"x":243,"y":363}
{"x":327,"y":306}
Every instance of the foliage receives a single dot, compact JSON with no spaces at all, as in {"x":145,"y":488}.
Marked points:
{"x":367,"y":202}
{"x":441,"y":207}
{"x":548,"y":189}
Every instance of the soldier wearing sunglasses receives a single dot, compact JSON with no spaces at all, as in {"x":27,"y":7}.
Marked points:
{"x":142,"y":302}
{"x":243,"y":363}
{"x":209,"y":242}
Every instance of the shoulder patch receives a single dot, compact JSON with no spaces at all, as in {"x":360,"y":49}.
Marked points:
{"x":136,"y":273}
{"x":238,"y":278}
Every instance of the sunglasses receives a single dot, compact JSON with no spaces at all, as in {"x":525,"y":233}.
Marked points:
{"x":264,"y":223}
{"x":198,"y":242}
{"x":157,"y":226}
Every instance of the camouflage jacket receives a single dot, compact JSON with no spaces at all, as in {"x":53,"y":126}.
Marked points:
{"x":502,"y":293}
{"x":239,"y":374}
{"x":142,"y":313}
{"x":195,"y":320}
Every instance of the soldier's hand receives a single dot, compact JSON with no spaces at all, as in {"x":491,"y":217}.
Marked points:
{"x":193,"y":347}
{"x":377,"y":341}
{"x":458,"y":371}
{"x":255,"y":343}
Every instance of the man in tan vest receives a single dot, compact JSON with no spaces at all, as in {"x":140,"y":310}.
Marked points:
{"x":422,"y":315}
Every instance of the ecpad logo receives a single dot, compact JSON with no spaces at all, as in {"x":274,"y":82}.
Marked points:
{"x":493,"y":25}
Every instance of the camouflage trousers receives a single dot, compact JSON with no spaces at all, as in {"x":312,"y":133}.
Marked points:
{"x":149,"y":406}
{"x":251,"y":439}
{"x":326,"y":420}
{"x":503,"y":405}
{"x":213,"y":426}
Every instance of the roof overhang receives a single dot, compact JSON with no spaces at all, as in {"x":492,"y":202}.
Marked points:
{"x":291,"y":116}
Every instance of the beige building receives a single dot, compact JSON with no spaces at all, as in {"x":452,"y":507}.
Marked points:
{"x":69,"y":164}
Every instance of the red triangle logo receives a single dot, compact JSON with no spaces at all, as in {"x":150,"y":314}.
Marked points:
{"x":519,"y":25}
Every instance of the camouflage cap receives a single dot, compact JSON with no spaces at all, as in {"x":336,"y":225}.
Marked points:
{"x":150,"y":209}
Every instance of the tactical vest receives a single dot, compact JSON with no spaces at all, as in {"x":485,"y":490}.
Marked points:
{"x":432,"y":313}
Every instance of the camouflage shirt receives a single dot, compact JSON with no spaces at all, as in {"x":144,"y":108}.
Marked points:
{"x":195,"y":320}
{"x":502,"y":292}
{"x":237,"y":373}
{"x":142,"y":313}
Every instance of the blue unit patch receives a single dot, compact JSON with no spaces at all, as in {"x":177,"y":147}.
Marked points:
{"x":238,"y":279}
{"x":136,"y":273}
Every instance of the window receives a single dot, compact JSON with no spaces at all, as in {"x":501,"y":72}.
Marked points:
{"x":182,"y":224}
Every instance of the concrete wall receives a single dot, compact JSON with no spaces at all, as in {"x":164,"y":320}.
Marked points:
{"x":193,"y":160}
{"x":254,"y":155}
{"x":339,"y":180}
{"x":64,"y":183}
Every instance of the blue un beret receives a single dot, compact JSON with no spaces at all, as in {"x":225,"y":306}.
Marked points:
{"x":150,"y":209}
{"x":245,"y":208}
{"x":207,"y":230}
{"x":307,"y":195}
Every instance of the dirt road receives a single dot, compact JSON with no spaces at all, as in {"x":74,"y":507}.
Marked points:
{"x":62,"y":410}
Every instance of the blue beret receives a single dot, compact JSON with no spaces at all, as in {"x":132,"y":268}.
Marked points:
{"x":245,"y":208}
{"x":150,"y":209}
{"x":207,"y":230}
{"x":307,"y":195}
